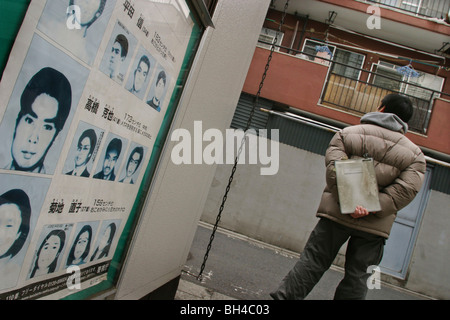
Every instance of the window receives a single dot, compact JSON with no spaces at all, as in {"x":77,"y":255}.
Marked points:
{"x":422,"y":87}
{"x":268,"y":37}
{"x":387,"y":77}
{"x":345,"y":63}
{"x":349,"y":64}
{"x":311,"y":53}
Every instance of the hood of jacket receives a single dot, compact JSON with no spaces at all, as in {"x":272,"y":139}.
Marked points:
{"x":386,"y":120}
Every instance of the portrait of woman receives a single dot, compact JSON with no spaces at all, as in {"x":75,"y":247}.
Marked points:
{"x":80,"y":247}
{"x":46,"y":259}
{"x":104,"y":244}
{"x":15,"y":212}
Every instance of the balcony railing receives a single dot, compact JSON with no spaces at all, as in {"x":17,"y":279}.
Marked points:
{"x":423,"y":8}
{"x":358,"y":96}
{"x":361,"y":97}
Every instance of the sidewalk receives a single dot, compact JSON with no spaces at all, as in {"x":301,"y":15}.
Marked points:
{"x":240,"y":268}
{"x":191,"y":291}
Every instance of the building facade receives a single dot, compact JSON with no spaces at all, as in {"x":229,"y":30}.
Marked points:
{"x":334,"y":61}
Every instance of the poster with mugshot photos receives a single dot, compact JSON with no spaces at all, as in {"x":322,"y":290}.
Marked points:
{"x":82,"y":100}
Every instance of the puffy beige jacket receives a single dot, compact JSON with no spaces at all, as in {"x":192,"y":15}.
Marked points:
{"x":399,"y":167}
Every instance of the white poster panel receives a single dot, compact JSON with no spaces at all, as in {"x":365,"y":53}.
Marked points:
{"x":82,"y":99}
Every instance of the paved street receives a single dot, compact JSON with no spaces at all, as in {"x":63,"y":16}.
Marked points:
{"x":244,"y":269}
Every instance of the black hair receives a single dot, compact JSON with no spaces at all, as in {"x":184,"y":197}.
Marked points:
{"x":161,"y":75}
{"x":89,"y":133}
{"x":114,"y":144}
{"x":122,"y":40}
{"x":138,"y":150}
{"x":62,"y":236}
{"x":105,"y":250}
{"x":21,"y":200}
{"x":86,"y":228}
{"x":399,"y":105}
{"x":146,"y":60}
{"x":53,"y":83}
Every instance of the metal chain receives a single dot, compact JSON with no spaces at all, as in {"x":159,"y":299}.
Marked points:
{"x":249,"y":121}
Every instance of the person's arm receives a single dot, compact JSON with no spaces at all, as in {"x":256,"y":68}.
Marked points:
{"x":334,"y":152}
{"x":393,"y":197}
{"x":403,"y":189}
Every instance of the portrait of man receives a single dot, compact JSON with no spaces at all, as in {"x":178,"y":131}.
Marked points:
{"x":110,"y":160}
{"x":44,"y":107}
{"x":158,"y":91}
{"x":140,"y":76}
{"x":40,"y":109}
{"x":133,"y":163}
{"x":85,"y":148}
{"x":118,"y":53}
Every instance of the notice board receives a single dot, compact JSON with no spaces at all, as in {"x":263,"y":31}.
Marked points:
{"x":84,"y":96}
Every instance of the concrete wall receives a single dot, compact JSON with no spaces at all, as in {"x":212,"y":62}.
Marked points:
{"x":280,"y":210}
{"x":168,"y":223}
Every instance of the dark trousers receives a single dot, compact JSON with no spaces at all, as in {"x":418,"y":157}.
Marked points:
{"x":363,"y":250}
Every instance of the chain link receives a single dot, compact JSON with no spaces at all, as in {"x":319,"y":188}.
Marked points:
{"x":249,"y":121}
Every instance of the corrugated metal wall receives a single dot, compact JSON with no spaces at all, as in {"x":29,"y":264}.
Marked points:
{"x":243,"y":110}
{"x":301,"y":135}
{"x":440,"y":179}
{"x":292,"y":133}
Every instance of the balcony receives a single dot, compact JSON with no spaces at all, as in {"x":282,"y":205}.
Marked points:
{"x":311,"y":86}
{"x":359,"y":96}
{"x":438,"y":9}
{"x":426,"y":20}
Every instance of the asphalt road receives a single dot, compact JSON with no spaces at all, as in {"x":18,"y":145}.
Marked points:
{"x":245,"y":269}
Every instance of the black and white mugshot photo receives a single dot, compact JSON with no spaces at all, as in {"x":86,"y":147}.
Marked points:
{"x":111,"y":157}
{"x":81,"y":244}
{"x":77,"y":25}
{"x":83,"y":150}
{"x":106,"y":240}
{"x":141,"y":72}
{"x":118,"y":53}
{"x":49,"y":250}
{"x":21,"y":200}
{"x":40,"y":109}
{"x":133,"y":164}
{"x":158,"y":89}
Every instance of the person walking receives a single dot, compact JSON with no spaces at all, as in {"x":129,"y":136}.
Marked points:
{"x":399,"y":168}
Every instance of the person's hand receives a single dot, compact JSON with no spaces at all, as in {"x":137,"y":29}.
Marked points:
{"x":359,"y":212}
